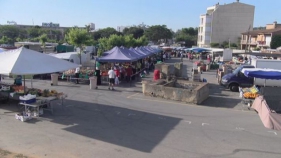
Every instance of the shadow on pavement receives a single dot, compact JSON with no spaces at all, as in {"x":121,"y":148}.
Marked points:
{"x":133,"y":129}
{"x":218,"y":99}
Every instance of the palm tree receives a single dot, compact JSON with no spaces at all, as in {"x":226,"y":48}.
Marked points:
{"x":43,"y":39}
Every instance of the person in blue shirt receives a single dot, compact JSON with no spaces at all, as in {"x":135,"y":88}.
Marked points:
{"x":18,"y":80}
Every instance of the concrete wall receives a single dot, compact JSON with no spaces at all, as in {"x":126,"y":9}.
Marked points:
{"x":158,"y":89}
{"x":170,"y":70}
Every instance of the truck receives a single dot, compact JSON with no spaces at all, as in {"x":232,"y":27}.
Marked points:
{"x":237,"y":79}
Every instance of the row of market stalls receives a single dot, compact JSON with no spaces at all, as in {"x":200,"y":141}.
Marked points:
{"x":24,"y":62}
{"x":123,"y":54}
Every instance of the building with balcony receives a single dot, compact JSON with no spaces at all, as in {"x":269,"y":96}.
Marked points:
{"x":260,"y":39}
{"x":225,"y":23}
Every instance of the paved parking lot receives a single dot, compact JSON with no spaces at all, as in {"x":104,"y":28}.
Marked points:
{"x":124,"y":123}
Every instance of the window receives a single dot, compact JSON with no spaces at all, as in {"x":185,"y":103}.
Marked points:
{"x":201,"y":38}
{"x":202,"y":21}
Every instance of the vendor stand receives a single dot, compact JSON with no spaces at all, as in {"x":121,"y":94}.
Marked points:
{"x":249,"y":94}
{"x":24,"y":61}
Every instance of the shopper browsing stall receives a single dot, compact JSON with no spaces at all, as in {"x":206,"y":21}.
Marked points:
{"x":111,"y":76}
{"x":77,"y":71}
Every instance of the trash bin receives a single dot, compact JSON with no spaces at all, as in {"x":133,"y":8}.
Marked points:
{"x":93,"y":82}
{"x":156,"y":75}
{"x":54,"y":78}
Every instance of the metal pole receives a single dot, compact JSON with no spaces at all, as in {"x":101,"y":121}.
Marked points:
{"x":24,"y":84}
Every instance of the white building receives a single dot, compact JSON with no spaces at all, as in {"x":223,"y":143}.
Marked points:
{"x":120,"y":28}
{"x":225,"y":23}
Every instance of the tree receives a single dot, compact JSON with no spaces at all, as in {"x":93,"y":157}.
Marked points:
{"x":34,"y":32}
{"x":158,"y":32}
{"x":137,"y":32}
{"x":43,"y":39}
{"x":10,"y":32}
{"x":79,"y":38}
{"x":186,"y":36}
{"x":214,"y":45}
{"x":275,"y":42}
{"x":5,"y":40}
{"x":105,"y":33}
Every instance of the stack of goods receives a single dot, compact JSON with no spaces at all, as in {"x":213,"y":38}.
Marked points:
{"x":69,"y":72}
{"x":34,"y":91}
{"x":250,"y":93}
{"x":28,"y":99}
{"x":87,"y":71}
{"x":18,"y":89}
{"x":52,"y":93}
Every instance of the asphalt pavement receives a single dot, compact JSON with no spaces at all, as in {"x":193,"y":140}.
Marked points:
{"x":125,"y":124}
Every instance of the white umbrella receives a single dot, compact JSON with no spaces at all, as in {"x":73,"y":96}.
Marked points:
{"x":24,"y":61}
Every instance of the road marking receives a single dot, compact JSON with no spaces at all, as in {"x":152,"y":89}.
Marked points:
{"x":189,"y":122}
{"x":97,"y":110}
{"x":131,"y":114}
{"x":205,"y":124}
{"x":239,"y":128}
{"x":132,"y":95}
{"x":117,"y":112}
{"x":273,"y":132}
{"x":161,"y":118}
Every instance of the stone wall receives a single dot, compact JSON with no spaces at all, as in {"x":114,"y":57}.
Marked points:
{"x":169,"y":70}
{"x":197,"y":94}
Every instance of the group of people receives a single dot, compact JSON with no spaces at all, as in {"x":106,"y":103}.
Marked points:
{"x":126,"y":72}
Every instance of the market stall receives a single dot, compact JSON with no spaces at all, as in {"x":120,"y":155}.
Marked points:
{"x":23,"y":61}
{"x":250,"y":94}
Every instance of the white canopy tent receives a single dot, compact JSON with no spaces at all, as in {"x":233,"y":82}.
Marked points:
{"x":24,"y":61}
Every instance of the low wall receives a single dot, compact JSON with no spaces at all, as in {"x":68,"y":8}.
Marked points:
{"x":193,"y":92}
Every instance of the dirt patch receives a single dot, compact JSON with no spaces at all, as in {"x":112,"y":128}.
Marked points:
{"x":8,"y":154}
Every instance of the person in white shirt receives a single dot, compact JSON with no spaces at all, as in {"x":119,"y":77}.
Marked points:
{"x":77,"y":72}
{"x":111,"y":76}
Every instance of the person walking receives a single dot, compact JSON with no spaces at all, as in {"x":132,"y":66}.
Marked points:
{"x":181,"y":56}
{"x":111,"y":76}
{"x":77,"y":72}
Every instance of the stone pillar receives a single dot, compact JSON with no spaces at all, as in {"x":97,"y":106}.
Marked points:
{"x":178,"y":69}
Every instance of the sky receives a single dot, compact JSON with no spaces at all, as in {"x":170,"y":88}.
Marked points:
{"x":175,"y":14}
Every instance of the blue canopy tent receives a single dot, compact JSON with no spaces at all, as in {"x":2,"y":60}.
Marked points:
{"x":140,"y":49}
{"x":119,"y":55}
{"x":155,"y":50}
{"x":109,"y":51}
{"x":141,"y":53}
{"x":200,"y":50}
{"x":151,"y":52}
{"x":132,"y":53}
{"x":266,"y":74}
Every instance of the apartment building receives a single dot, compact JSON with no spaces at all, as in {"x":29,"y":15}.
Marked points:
{"x":225,"y":23}
{"x":260,"y":39}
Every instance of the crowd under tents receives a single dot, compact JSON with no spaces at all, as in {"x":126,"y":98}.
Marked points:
{"x":123,"y":54}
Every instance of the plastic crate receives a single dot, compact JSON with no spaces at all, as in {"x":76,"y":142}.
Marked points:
{"x":28,"y":101}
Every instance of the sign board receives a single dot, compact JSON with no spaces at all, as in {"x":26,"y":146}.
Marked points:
{"x":50,"y":25}
{"x":227,"y":55}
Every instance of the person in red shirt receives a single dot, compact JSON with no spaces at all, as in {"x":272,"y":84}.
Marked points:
{"x":129,"y":73}
{"x":117,"y":72}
